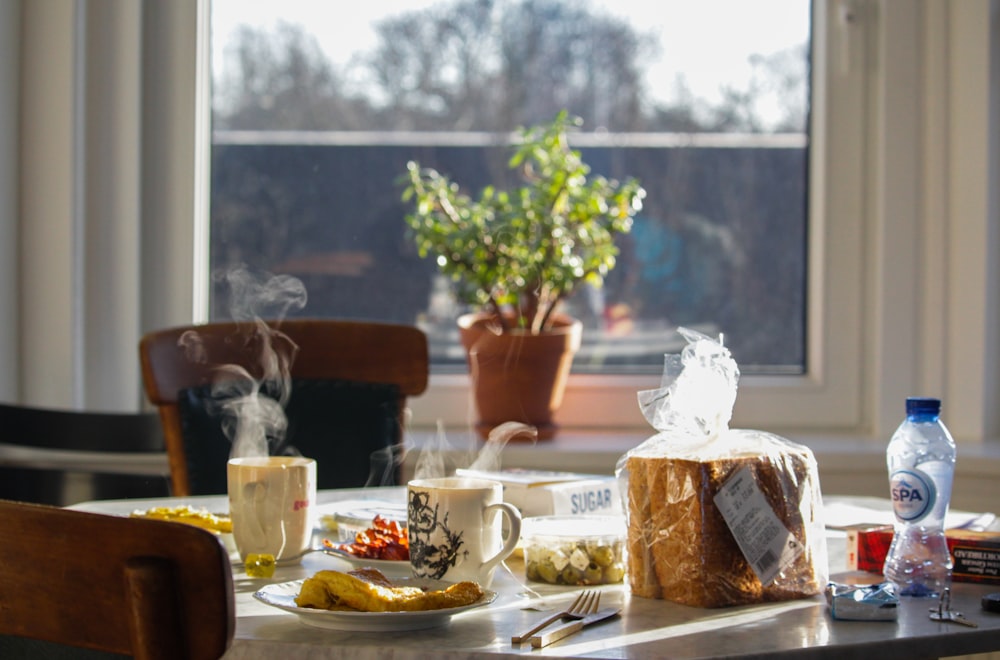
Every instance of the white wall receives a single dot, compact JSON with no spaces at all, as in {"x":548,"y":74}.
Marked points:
{"x":10,"y":46}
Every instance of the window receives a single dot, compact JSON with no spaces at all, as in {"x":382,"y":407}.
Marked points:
{"x":315,"y":119}
{"x":809,"y":373}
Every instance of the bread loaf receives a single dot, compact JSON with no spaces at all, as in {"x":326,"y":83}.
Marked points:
{"x":680,"y":547}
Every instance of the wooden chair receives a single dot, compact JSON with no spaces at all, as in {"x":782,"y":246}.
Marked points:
{"x":148,"y":588}
{"x":364,"y":358}
{"x":60,"y":457}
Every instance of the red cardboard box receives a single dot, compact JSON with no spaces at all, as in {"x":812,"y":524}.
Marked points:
{"x":976,"y":555}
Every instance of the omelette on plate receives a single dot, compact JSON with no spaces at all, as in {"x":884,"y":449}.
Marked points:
{"x":368,"y":590}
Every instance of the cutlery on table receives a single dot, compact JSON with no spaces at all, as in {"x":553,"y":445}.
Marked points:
{"x":585,"y":603}
{"x":567,"y":629}
{"x":335,"y":551}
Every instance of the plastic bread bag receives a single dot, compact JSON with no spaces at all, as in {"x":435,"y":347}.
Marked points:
{"x":718,"y":516}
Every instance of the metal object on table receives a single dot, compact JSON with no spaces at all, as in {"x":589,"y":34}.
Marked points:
{"x":585,"y":603}
{"x":567,"y":629}
{"x":944,"y":613}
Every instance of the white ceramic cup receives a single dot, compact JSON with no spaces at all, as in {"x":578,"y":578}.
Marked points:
{"x":456,"y":529}
{"x":271,"y":502}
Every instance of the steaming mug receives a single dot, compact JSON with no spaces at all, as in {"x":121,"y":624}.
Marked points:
{"x":455,"y":528}
{"x":271,"y":500}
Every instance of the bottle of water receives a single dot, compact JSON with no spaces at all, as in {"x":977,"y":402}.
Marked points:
{"x":921,"y":461}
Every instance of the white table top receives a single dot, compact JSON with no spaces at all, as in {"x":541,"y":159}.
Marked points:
{"x":647,"y":628}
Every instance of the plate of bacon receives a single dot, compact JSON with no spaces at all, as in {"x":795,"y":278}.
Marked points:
{"x":385,"y":545}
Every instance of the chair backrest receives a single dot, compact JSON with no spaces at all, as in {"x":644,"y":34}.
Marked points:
{"x":148,"y":588}
{"x":183,"y":362}
{"x":60,"y":457}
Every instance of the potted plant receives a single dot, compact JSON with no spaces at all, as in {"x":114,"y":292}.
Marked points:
{"x":516,"y":255}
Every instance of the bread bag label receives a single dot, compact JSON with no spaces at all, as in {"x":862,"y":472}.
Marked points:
{"x":765,"y":542}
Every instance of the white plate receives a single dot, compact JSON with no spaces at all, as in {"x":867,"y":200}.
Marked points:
{"x":283,"y":596}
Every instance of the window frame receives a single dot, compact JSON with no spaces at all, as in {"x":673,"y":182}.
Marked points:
{"x":888,"y":185}
{"x":827,"y":395}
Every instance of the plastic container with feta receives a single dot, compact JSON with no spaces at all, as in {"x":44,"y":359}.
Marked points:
{"x":574,"y":550}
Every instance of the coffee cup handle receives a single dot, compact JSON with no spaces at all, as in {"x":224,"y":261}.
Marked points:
{"x":513,"y":534}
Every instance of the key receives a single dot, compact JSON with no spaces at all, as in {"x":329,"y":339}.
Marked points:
{"x":944,"y":613}
{"x":953,"y":617}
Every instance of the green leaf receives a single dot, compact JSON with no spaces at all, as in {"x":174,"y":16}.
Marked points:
{"x":529,"y":246}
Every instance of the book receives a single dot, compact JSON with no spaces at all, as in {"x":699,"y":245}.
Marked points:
{"x":975,"y":555}
{"x":546,"y":493}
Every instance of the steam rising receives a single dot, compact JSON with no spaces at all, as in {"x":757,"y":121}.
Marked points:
{"x":252,"y":417}
{"x":431,"y":462}
{"x":253,"y":408}
{"x":384,"y":463}
{"x":489,"y":455}
{"x":269,"y":296}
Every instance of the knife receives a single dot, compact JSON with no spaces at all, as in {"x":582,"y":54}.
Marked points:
{"x":567,"y":629}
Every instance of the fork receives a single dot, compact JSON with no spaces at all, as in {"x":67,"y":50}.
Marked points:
{"x":586,"y":602}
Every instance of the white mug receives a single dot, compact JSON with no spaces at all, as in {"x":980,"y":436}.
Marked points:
{"x":455,"y":528}
{"x":271,"y":502}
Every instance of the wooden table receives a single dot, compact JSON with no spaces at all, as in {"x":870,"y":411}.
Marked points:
{"x":646,"y":629}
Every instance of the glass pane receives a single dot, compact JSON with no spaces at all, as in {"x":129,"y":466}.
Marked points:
{"x":317,"y":111}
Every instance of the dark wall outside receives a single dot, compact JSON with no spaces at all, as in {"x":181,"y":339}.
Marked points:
{"x":721,"y":239}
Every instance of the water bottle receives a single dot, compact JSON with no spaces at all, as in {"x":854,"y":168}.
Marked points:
{"x":921,"y":462}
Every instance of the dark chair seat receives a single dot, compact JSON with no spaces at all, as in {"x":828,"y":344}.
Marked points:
{"x":350,"y":428}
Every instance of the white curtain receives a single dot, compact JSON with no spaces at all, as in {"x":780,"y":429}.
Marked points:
{"x":98,"y":127}
{"x":10,"y":44}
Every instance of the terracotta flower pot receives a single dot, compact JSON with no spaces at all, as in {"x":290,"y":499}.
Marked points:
{"x":517,"y":376}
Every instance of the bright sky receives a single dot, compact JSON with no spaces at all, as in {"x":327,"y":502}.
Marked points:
{"x":707,"y":41}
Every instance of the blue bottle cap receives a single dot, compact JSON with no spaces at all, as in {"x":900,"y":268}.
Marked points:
{"x":922,"y":406}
